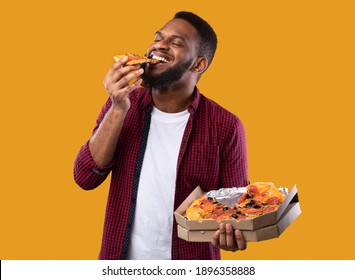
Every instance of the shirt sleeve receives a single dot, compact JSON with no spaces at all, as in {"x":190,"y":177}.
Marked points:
{"x":234,"y":162}
{"x":86,"y":173}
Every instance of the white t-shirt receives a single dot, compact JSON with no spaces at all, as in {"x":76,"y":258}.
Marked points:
{"x":151,"y":234}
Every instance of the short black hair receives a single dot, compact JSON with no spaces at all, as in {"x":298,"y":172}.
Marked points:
{"x":207,"y":36}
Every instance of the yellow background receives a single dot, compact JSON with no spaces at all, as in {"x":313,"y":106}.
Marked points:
{"x":286,"y":68}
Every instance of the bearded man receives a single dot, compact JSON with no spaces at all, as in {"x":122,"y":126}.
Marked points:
{"x":160,"y":141}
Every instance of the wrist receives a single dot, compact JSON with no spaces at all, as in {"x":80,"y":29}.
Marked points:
{"x":117,"y":111}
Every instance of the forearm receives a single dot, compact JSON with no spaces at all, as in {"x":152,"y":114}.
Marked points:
{"x":104,"y":142}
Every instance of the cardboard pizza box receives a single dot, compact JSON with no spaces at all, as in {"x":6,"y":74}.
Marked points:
{"x":259,"y":222}
{"x":291,"y":212}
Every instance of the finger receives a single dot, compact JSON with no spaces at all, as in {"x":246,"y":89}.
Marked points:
{"x":215,"y":239}
{"x":120,"y":62}
{"x":113,"y":72}
{"x":129,"y":77}
{"x":114,"y":76}
{"x":222,"y":237}
{"x":122,"y":93}
{"x":112,"y":86}
{"x":230,"y":238}
{"x":117,"y":65}
{"x":241,"y":244}
{"x":123,"y":71}
{"x":135,"y":84}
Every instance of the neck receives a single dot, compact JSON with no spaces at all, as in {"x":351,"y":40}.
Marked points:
{"x":173,"y":99}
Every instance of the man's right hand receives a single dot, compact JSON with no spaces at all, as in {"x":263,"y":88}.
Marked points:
{"x":117,"y":84}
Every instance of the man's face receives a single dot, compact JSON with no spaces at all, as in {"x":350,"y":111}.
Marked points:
{"x":176,"y":45}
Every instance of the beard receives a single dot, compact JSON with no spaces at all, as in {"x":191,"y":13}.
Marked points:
{"x":168,"y":77}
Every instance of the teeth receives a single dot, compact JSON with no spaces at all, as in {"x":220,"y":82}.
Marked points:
{"x":159,"y":58}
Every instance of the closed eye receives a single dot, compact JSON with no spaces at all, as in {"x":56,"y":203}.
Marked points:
{"x":175,"y":44}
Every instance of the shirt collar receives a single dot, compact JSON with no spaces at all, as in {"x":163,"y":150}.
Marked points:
{"x":194,"y":105}
{"x":148,"y":101}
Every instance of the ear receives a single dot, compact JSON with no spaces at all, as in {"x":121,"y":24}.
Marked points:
{"x":200,"y":64}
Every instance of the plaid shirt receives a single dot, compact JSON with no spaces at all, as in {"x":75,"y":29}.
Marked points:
{"x":212,"y":155}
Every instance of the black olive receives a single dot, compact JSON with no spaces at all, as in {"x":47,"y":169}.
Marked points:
{"x":249,"y":196}
{"x":238,"y":212}
{"x":210,"y":198}
{"x":225,"y":208}
{"x":256,"y":206}
{"x":235,"y":216}
{"x":215,"y":202}
{"x":252,"y":202}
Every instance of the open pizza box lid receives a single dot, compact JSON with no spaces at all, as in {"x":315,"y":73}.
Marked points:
{"x":259,"y":222}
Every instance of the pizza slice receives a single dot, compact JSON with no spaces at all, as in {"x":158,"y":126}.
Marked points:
{"x":134,"y":59}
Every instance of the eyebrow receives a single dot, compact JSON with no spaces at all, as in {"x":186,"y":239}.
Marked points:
{"x":174,"y":36}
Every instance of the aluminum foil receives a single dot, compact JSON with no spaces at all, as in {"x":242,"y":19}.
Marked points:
{"x":227,"y":196}
{"x":230,"y":196}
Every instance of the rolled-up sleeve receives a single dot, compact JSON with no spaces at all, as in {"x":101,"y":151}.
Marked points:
{"x":86,"y":173}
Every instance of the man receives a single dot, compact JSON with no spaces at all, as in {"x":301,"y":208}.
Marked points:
{"x":161,"y":141}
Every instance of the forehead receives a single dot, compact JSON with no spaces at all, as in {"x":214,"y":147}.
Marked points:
{"x":181,"y":28}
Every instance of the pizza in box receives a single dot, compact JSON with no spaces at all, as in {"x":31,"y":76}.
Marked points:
{"x":258,"y":199}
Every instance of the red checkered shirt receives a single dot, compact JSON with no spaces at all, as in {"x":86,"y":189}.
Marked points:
{"x":212,"y":155}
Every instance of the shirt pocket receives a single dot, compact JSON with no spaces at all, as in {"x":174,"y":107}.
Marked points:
{"x":202,"y":166}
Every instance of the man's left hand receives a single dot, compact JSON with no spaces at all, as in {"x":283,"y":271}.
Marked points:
{"x":228,"y":239}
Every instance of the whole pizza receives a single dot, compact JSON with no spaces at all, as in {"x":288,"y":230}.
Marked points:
{"x":260,"y":198}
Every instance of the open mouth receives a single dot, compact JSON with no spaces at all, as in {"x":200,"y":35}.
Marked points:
{"x":158,"y":59}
